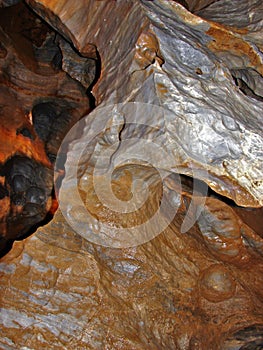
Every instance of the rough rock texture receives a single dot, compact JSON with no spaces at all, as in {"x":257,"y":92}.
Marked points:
{"x":179,"y":291}
{"x":39,"y":104}
{"x":193,"y":81}
{"x":196,"y":290}
{"x":6,"y":3}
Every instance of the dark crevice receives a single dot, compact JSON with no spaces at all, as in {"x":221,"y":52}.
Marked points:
{"x":5,"y":246}
{"x":248,"y":338}
{"x":51,"y":118}
{"x":253,"y":217}
{"x":97,"y":73}
{"x":199,"y":6}
{"x":245,"y":89}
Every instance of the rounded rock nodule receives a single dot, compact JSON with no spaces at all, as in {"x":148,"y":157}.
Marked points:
{"x":216,"y":284}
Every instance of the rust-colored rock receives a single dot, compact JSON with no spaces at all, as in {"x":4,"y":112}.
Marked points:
{"x":170,"y":293}
{"x":163,"y":81}
{"x":39,"y":104}
{"x":201,"y":289}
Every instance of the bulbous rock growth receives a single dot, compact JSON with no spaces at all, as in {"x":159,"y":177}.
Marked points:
{"x":201,"y":289}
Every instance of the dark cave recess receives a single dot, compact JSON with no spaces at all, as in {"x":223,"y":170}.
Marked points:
{"x":40,"y":103}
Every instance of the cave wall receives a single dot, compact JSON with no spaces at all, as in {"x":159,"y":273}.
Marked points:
{"x":186,"y":89}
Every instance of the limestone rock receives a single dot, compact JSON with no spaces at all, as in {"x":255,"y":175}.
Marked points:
{"x":210,"y":124}
{"x":171,"y":73}
{"x":60,"y":291}
{"x":39,"y":104}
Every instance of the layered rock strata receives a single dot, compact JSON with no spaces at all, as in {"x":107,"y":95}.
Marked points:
{"x":184,"y":92}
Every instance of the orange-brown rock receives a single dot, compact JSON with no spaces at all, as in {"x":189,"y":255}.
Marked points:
{"x":193,"y":45}
{"x":59,"y":290}
{"x":39,"y":104}
{"x":198,"y":283}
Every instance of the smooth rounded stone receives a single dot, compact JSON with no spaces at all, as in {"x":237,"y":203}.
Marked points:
{"x":20,"y":183}
{"x":29,"y":186}
{"x":32,"y":209}
{"x":23,"y":172}
{"x":36,"y":195}
{"x":151,"y":288}
{"x":21,"y":166}
{"x":216,"y":284}
{"x":221,"y":230}
{"x":43,"y":115}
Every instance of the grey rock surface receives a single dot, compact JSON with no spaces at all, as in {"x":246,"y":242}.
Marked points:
{"x":194,"y":69}
{"x":184,"y":80}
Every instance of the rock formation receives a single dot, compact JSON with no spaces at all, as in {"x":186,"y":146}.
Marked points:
{"x":152,"y":247}
{"x":39,"y":104}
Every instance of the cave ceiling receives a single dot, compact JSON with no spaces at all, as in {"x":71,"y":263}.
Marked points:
{"x":142,"y":122}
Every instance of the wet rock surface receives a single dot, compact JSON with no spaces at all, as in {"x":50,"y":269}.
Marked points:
{"x":39,"y":104}
{"x":29,"y":185}
{"x":190,"y":78}
{"x":195,"y":289}
{"x":167,"y":294}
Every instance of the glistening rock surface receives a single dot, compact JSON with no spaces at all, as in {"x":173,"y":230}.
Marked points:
{"x":39,"y":104}
{"x":61,"y":292}
{"x":190,"y":69}
{"x":196,"y":290}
